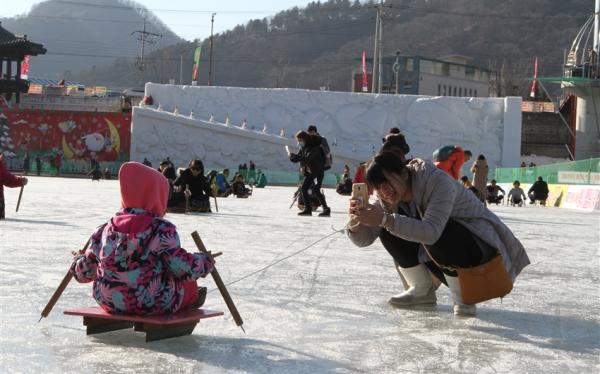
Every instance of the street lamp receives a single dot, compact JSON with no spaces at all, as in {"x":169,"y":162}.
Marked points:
{"x":396,"y":69}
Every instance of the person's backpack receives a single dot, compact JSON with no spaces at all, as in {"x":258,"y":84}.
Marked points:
{"x":327,"y":153}
{"x":443,"y":153}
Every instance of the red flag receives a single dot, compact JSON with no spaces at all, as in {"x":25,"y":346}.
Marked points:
{"x":365,"y":81}
{"x":535,"y":75}
{"x":25,"y":67}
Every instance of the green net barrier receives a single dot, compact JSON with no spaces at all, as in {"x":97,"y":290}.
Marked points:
{"x":575,"y":172}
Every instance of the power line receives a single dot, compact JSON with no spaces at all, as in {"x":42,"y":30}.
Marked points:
{"x":364,"y":8}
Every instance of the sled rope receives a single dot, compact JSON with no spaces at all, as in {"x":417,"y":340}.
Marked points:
{"x":284,"y":258}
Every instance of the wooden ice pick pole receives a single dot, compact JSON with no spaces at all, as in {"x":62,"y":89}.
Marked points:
{"x":19,"y":201}
{"x":234,"y":312}
{"x":60,"y":289}
{"x":216,"y":205}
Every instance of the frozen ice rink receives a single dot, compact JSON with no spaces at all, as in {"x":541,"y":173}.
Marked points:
{"x":322,"y":311}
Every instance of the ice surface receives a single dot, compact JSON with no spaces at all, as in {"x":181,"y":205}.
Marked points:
{"x":357,"y":122}
{"x":322,"y":311}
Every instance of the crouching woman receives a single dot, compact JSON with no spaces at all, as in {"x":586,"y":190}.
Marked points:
{"x":430,"y":224}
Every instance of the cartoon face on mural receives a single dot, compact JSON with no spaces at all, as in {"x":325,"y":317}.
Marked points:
{"x":94,"y":142}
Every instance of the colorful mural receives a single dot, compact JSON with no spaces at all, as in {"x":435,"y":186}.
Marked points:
{"x":73,"y":137}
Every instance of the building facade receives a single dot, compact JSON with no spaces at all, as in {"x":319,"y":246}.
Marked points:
{"x":449,"y":76}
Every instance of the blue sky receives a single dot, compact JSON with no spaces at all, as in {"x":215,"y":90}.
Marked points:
{"x":189,"y":19}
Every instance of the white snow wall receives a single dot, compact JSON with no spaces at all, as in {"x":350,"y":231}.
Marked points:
{"x":354,"y":124}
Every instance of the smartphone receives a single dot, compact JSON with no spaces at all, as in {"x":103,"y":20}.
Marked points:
{"x":360,"y":193}
{"x":287,"y":149}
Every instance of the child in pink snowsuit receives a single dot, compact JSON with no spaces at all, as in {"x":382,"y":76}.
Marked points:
{"x":135,"y":259}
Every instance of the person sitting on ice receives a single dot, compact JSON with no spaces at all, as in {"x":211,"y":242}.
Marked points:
{"x":493,"y":193}
{"x":538,"y":192}
{"x":516,"y":195}
{"x":193,"y":185}
{"x":239,"y":188}
{"x":468,"y":185}
{"x":261,"y":179}
{"x":135,"y":259}
{"x":419,"y":205}
{"x":167,"y":169}
{"x":107,"y":174}
{"x":95,"y":173}
{"x":223,"y":186}
{"x":9,"y":180}
{"x":450,"y":159}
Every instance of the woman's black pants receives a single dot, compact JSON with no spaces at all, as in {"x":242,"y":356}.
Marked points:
{"x":455,"y":248}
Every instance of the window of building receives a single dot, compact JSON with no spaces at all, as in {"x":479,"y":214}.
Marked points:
{"x":445,"y":92}
{"x":454,"y":89}
{"x":409,"y":64}
{"x":439,"y":89}
{"x":460,"y":91}
{"x":446,"y":69}
{"x":475,"y":93}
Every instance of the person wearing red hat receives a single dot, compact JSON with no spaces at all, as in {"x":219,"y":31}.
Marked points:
{"x":135,"y":259}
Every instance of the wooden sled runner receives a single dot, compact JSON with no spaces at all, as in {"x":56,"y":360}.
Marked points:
{"x":183,"y":323}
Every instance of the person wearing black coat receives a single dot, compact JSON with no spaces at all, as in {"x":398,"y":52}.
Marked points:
{"x":194,"y":184}
{"x":538,"y":191}
{"x":312,"y":162}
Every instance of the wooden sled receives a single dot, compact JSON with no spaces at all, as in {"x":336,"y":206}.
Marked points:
{"x":183,"y":323}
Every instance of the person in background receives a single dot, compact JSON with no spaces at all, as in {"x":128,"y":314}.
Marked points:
{"x":192,"y":184}
{"x":7,"y":179}
{"x":450,"y":158}
{"x":26,"y":164}
{"x":239,"y":188}
{"x":223,"y":186}
{"x":493,"y":193}
{"x":312,"y":161}
{"x":515,"y":194}
{"x":261,"y":179}
{"x":468,"y":185}
{"x":480,"y":174}
{"x":38,"y":164}
{"x":359,"y":176}
{"x":538,"y":192}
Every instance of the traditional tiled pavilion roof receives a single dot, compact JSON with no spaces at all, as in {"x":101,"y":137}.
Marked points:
{"x":12,"y":46}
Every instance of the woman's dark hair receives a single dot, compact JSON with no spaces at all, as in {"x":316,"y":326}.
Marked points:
{"x":481,"y":157}
{"x":464,"y":178}
{"x":197,"y":164}
{"x":388,"y":161}
{"x":395,"y":142}
{"x":302,"y":135}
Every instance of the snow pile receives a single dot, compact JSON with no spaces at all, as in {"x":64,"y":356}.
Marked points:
{"x":224,"y":125}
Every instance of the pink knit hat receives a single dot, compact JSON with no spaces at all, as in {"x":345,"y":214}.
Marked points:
{"x":143,"y":187}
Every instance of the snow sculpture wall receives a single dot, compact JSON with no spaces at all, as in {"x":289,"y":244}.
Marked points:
{"x":353,"y":123}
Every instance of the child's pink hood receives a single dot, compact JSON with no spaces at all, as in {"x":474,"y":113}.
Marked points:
{"x":143,"y":187}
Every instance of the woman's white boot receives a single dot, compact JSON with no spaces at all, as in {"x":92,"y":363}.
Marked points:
{"x":460,"y":309}
{"x":420,"y":288}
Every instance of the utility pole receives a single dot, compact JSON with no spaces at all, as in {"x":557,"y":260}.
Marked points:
{"x":144,"y":37}
{"x":380,"y":49}
{"x":210,"y":53}
{"x":374,"y":78}
{"x":181,"y":69}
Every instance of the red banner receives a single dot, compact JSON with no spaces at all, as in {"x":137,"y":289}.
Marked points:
{"x":535,"y":75}
{"x":25,"y":68}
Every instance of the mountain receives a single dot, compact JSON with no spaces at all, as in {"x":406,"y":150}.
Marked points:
{"x":79,"y":33}
{"x":320,"y":45}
